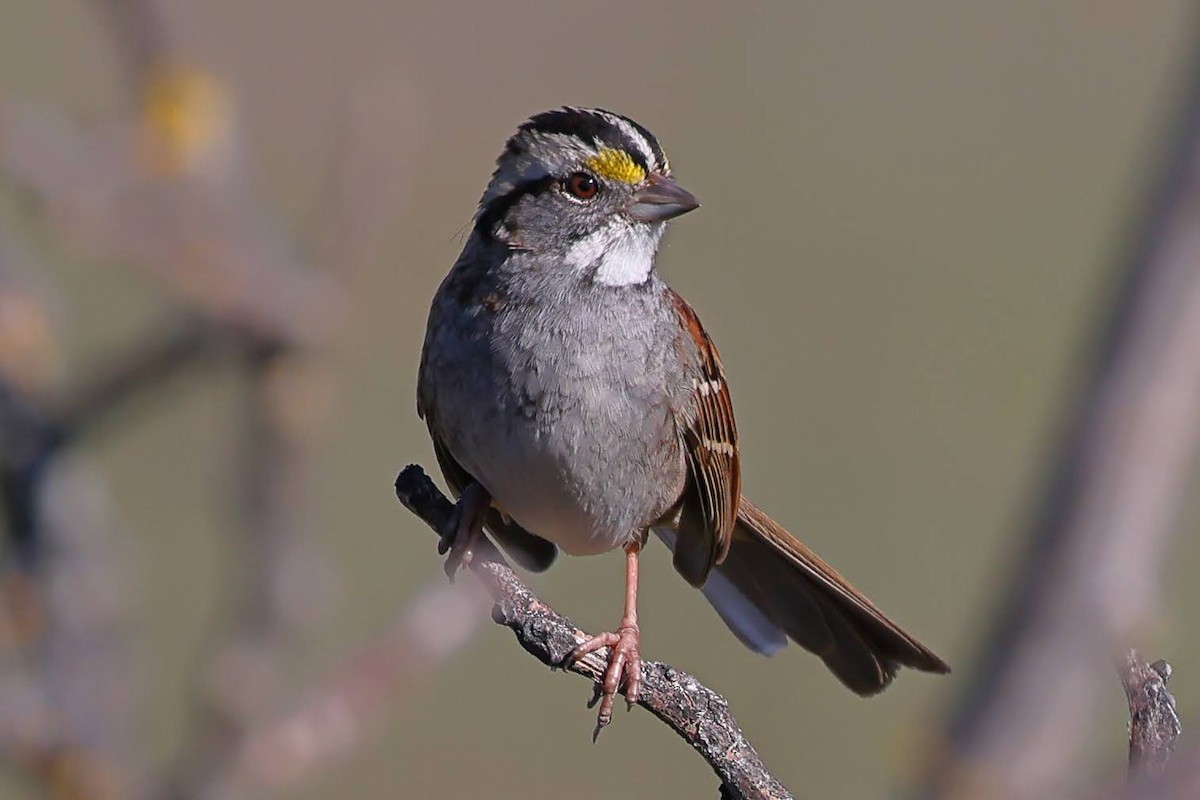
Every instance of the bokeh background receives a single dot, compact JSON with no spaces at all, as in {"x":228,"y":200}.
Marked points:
{"x":912,"y":214}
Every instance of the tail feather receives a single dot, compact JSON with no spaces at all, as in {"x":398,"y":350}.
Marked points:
{"x":744,"y":617}
{"x":796,"y":593}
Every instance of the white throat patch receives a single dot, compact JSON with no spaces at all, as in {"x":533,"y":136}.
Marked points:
{"x":620,"y":255}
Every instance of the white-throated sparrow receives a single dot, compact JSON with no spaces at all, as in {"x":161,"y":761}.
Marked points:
{"x":575,"y":401}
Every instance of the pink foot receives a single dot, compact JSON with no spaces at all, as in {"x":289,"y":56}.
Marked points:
{"x":624,"y":667}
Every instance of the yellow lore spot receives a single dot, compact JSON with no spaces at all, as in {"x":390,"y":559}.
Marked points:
{"x":616,"y":165}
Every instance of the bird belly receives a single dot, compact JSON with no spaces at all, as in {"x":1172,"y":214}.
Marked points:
{"x":542,"y":498}
{"x":591,"y":469}
{"x":586,"y":491}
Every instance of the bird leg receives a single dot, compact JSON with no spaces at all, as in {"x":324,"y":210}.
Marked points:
{"x":464,"y":528}
{"x":624,"y":659}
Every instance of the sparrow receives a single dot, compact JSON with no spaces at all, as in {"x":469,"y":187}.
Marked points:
{"x":575,"y":402}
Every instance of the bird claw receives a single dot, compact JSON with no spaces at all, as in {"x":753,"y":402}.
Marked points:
{"x":457,"y":560}
{"x":463,"y":529}
{"x":624,"y":669}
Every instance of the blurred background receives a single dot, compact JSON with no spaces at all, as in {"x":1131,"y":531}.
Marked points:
{"x":912,"y":214}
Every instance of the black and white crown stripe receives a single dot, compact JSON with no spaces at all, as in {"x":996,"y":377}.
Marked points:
{"x":603,"y":129}
{"x":550,"y":142}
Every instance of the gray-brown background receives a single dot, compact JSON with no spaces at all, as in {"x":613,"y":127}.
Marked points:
{"x":911,"y":211}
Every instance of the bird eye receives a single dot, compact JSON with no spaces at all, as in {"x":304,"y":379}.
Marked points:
{"x":582,"y":185}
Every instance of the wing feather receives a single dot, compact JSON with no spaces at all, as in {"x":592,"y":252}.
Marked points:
{"x":708,"y":509}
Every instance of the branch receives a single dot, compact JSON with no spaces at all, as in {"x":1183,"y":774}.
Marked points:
{"x":696,"y":713}
{"x":1154,"y":727}
{"x":1095,"y":552}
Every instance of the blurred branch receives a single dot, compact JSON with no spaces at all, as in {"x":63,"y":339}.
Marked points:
{"x":162,"y":197}
{"x":1180,"y":780}
{"x":63,"y":589}
{"x":150,"y":361}
{"x":281,"y":577}
{"x":164,"y":193}
{"x":34,"y":430}
{"x":339,"y":714}
{"x":82,"y":579}
{"x":1154,"y":726}
{"x":1091,"y":574}
{"x":700,"y":716}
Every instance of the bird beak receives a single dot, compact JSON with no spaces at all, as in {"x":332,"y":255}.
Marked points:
{"x":661,"y":199}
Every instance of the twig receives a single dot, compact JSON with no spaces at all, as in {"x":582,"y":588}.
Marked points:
{"x":1154,"y":726}
{"x":1095,"y":554}
{"x":700,"y":716}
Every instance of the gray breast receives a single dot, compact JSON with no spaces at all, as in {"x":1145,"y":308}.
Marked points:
{"x":564,"y":409}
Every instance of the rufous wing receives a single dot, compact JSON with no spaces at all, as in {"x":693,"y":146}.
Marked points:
{"x":708,"y":434}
